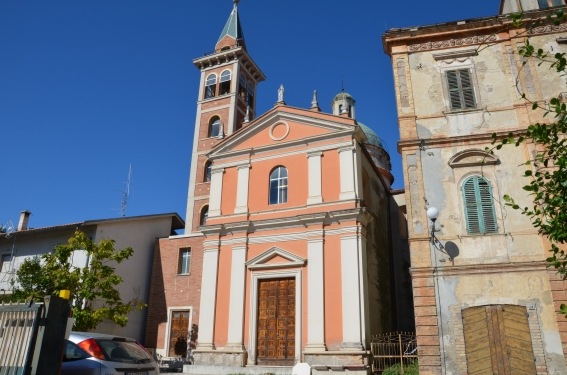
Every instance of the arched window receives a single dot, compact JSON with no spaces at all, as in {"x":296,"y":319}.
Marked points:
{"x":225,"y":82}
{"x":208,"y":170}
{"x":479,"y":206}
{"x":242,"y":87}
{"x":278,"y":185}
{"x":250,"y":91}
{"x":210,"y":86}
{"x":214,"y":126}
{"x":204,"y":215}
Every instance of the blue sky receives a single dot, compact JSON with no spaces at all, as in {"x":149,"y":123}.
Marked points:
{"x":89,"y":87}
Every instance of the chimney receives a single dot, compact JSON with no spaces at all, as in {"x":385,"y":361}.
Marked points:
{"x":24,"y":218}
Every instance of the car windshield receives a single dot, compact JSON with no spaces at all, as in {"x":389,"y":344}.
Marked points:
{"x":123,"y":351}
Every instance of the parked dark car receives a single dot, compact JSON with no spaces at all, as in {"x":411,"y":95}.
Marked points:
{"x":88,"y":353}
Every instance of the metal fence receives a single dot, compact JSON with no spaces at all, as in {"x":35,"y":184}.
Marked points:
{"x":393,"y":349}
{"x":32,"y":336}
{"x":18,"y":330}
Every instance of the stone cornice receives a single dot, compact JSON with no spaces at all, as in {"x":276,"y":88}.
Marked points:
{"x":478,"y":269}
{"x":471,"y":138}
{"x":457,"y":42}
{"x":466,"y":32}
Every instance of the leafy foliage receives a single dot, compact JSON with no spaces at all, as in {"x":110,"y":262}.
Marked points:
{"x":411,"y":369}
{"x":547,"y":170}
{"x":94,"y":293}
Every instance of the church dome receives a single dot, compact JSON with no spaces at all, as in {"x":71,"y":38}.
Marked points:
{"x":371,"y":136}
{"x":376,"y":148}
{"x":342,"y":96}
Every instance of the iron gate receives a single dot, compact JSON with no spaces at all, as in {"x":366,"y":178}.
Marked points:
{"x":393,"y":349}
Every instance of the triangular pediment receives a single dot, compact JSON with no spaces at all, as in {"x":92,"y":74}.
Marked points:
{"x":275,"y":258}
{"x":473,"y":157}
{"x":283,"y":126}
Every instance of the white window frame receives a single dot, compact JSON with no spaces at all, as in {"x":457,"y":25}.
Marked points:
{"x":181,"y":261}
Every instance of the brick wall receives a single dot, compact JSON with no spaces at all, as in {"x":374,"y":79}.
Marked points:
{"x":426,"y":324}
{"x":168,"y":289}
{"x":559,"y":294}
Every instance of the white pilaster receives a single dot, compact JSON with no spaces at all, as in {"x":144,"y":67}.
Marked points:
{"x":351,"y":294}
{"x":315,"y":297}
{"x":216,"y":192}
{"x":346,"y":172}
{"x":208,"y":299}
{"x":236,"y":307}
{"x":314,"y":177}
{"x":242,"y":189}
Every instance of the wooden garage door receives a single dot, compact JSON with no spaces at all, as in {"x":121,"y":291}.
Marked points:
{"x":276,"y":322}
{"x":498,"y":340}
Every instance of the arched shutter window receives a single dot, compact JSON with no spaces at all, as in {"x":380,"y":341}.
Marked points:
{"x":204,"y":215}
{"x":214,"y":127}
{"x":210,"y":86}
{"x":208,"y":171}
{"x":479,"y":206}
{"x":225,"y":79}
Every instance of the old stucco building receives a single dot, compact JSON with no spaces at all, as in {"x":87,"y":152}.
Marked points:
{"x":287,"y":252}
{"x":484,"y":300}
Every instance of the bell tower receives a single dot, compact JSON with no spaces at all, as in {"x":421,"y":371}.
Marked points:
{"x":226,"y":102}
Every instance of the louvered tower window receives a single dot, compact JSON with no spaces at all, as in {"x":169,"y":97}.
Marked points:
{"x":479,"y":206}
{"x":461,"y":93}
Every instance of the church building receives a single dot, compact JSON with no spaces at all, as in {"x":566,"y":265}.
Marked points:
{"x":287,"y":252}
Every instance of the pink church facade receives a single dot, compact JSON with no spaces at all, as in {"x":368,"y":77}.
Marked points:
{"x":287,"y":255}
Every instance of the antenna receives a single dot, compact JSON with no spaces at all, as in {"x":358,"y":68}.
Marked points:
{"x":126,"y":193}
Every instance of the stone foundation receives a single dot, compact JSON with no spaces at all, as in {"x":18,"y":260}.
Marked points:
{"x":329,"y":362}
{"x":229,"y":358}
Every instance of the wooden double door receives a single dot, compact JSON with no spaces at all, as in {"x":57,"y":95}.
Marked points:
{"x":498,"y":340}
{"x":276,"y":322}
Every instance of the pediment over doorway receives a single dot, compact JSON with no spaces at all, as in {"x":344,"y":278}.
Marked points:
{"x":275,"y":258}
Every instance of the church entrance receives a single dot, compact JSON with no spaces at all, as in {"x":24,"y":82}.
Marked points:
{"x":276,"y":322}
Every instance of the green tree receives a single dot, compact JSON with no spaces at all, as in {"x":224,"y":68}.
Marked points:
{"x":546,"y":172}
{"x":94,"y":288}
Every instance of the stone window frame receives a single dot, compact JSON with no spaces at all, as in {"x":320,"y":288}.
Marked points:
{"x":454,"y":61}
{"x":476,"y":162}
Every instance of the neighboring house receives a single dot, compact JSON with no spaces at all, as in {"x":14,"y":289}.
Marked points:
{"x":484,"y":300}
{"x":138,"y":232}
{"x":287,"y":254}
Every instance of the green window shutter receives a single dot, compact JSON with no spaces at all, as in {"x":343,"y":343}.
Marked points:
{"x":467,"y":89}
{"x":479,"y":206}
{"x":461,"y":93}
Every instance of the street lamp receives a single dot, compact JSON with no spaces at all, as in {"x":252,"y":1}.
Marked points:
{"x":433,"y":214}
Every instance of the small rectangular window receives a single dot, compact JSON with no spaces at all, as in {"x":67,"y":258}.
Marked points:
{"x":460,"y":88}
{"x":542,"y":4}
{"x":5,"y":262}
{"x":184,"y":260}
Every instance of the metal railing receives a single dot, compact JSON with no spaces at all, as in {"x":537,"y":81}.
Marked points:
{"x":393,"y":349}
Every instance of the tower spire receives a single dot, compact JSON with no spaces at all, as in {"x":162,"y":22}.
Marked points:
{"x":231,"y":35}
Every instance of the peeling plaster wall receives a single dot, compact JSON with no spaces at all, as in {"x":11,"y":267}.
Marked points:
{"x":507,"y":267}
